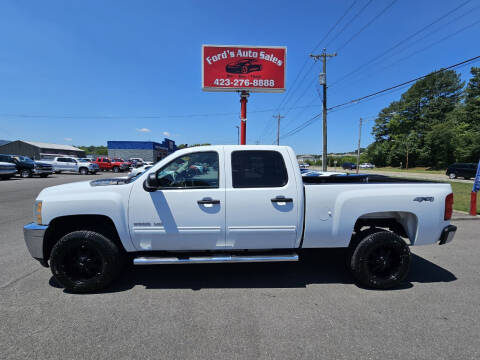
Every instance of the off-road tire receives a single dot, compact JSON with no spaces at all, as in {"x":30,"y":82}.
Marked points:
{"x":108,"y":261}
{"x":355,"y":240}
{"x":381,"y":260}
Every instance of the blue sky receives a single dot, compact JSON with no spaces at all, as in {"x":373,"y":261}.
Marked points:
{"x":104,"y":70}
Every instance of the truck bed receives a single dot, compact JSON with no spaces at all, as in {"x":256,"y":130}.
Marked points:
{"x":360,"y":178}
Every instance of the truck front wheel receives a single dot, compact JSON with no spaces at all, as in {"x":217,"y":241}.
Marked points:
{"x":381,"y":260}
{"x":85,"y":261}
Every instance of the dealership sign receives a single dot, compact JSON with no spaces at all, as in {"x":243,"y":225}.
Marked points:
{"x":237,"y":68}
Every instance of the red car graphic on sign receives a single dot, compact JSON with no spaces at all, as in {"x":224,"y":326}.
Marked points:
{"x":243,"y":66}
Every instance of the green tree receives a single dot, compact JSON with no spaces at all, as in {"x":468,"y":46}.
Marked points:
{"x":472,"y":99}
{"x":402,"y":128}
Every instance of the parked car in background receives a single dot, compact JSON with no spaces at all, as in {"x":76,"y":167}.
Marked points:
{"x":27,"y":167}
{"x":366,"y":166}
{"x":139,"y":170}
{"x":106,"y":164}
{"x":120,"y":160}
{"x":68,"y":164}
{"x":465,"y":170}
{"x":7,"y":170}
{"x":304,"y":166}
{"x":349,"y":166}
{"x":136,"y":162}
{"x":315,"y":173}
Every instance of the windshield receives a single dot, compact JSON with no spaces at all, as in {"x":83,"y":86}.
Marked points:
{"x":25,"y":159}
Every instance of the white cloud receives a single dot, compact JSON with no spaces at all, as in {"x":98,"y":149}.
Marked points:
{"x":166,"y":133}
{"x":68,"y":139}
{"x":144,"y":130}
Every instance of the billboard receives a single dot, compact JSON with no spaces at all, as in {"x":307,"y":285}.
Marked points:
{"x":250,"y":68}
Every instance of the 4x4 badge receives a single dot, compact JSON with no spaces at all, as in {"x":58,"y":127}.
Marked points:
{"x":424,"y":198}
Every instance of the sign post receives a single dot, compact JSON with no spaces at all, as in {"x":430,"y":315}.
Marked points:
{"x":473,"y":195}
{"x":243,"y":69}
{"x":243,"y":117}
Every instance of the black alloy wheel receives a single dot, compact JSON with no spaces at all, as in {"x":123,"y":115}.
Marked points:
{"x":82,"y":263}
{"x":381,"y":260}
{"x":85,"y":261}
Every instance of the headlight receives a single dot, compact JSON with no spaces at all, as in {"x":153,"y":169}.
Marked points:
{"x":37,"y":212}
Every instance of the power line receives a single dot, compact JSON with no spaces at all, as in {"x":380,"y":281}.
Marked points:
{"x":116,"y":117}
{"x":376,"y":17}
{"x":350,"y":22}
{"x":410,"y":55}
{"x":376,"y":58}
{"x":349,"y":40}
{"x":434,"y":43}
{"x":404,"y":83}
{"x":289,"y":93}
{"x":313,"y":50}
{"x":357,"y":100}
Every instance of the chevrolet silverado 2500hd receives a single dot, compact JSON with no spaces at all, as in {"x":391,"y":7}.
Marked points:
{"x":248,"y":204}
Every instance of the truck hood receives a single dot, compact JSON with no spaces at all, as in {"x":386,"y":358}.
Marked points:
{"x":79,"y":187}
{"x":66,"y":188}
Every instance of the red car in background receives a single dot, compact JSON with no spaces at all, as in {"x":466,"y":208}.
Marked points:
{"x":106,"y":164}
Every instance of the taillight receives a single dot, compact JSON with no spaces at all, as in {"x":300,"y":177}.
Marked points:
{"x":448,"y":207}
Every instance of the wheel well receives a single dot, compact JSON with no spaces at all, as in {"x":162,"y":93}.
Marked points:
{"x":63,"y":225}
{"x":401,"y":223}
{"x":82,"y":167}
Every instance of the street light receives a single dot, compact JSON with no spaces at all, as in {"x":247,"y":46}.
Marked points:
{"x":238,"y":134}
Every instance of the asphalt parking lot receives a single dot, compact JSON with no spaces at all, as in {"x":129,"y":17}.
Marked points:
{"x":310,"y":309}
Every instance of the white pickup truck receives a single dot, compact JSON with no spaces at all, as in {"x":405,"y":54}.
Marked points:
{"x":68,"y":164}
{"x":248,"y":204}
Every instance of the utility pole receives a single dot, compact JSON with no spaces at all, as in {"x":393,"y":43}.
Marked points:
{"x":358,"y":150}
{"x":278,"y":117}
{"x":323,"y":81}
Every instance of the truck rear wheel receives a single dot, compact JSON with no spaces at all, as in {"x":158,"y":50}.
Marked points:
{"x":85,"y":261}
{"x":381,"y":260}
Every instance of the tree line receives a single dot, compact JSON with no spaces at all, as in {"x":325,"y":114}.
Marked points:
{"x":436,"y":122}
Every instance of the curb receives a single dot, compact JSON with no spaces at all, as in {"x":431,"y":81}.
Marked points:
{"x":463,"y":215}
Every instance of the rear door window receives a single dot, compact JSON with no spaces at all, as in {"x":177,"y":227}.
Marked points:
{"x":258,"y":169}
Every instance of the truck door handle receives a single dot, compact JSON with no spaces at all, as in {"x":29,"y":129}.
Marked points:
{"x":208,"y":201}
{"x":281,"y":199}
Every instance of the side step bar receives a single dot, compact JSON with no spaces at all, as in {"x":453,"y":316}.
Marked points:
{"x":213,"y":259}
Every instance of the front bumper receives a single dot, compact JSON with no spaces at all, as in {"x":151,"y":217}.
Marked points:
{"x":34,"y":235}
{"x":447,"y":234}
{"x":40,"y":171}
{"x":8,"y":171}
